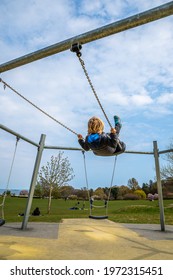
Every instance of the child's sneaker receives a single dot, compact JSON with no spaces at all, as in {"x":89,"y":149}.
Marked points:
{"x":117,"y":121}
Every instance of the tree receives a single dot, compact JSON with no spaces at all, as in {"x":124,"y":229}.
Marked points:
{"x":141,"y":194}
{"x":108,"y":192}
{"x":99,"y":192}
{"x":114,"y":192}
{"x":133,"y":184}
{"x":56,"y":192}
{"x":7,"y":193}
{"x":146,"y":188}
{"x":122,"y":191}
{"x":167,"y":170}
{"x":65,"y":191}
{"x":82,"y":193}
{"x":149,"y":187}
{"x":56,"y":173}
{"x":38,"y":192}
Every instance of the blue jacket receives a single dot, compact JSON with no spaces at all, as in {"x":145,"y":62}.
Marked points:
{"x":104,"y":144}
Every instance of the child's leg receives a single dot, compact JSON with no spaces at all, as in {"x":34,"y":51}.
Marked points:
{"x":118,"y":124}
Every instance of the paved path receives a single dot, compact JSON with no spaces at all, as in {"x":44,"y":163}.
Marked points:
{"x":85,"y":239}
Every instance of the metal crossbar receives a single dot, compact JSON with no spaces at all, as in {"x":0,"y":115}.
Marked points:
{"x":145,"y":17}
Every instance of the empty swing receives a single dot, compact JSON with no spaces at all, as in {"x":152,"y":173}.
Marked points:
{"x":91,"y":201}
{"x":2,"y":220}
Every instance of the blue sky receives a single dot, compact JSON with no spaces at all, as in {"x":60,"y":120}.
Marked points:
{"x":131,"y":71}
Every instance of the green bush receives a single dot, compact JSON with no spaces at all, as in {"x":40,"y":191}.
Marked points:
{"x":131,"y":196}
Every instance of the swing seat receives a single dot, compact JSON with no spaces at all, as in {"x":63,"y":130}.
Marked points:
{"x":98,"y":217}
{"x":2,"y":222}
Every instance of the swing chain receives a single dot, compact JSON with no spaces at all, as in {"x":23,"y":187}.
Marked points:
{"x":76,"y":48}
{"x":9,"y":177}
{"x":31,"y":103}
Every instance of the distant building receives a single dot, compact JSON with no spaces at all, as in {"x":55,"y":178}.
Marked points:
{"x":24,"y":193}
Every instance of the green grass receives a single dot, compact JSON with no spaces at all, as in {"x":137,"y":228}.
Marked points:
{"x":121,"y":211}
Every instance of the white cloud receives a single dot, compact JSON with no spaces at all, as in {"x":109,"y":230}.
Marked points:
{"x":8,"y":106}
{"x":166,"y":98}
{"x":141,"y":100}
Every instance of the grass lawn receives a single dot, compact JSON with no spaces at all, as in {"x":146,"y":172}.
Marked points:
{"x":121,"y":211}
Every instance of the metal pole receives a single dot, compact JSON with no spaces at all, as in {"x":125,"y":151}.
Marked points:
{"x":159,"y":186}
{"x":33,"y":182}
{"x":18,"y":135}
{"x":79,"y":149}
{"x":138,"y":152}
{"x":166,"y":151}
{"x":104,"y":31}
{"x":62,"y":148}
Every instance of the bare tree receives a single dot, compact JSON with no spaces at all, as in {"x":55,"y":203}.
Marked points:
{"x":55,"y":173}
{"x":167,"y":170}
{"x":133,"y":184}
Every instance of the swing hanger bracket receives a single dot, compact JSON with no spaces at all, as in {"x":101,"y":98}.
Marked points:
{"x":76,"y":47}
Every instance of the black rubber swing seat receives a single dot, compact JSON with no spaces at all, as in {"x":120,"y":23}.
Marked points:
{"x":98,"y":217}
{"x":2,"y":222}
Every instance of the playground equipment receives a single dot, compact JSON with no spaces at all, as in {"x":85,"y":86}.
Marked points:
{"x":116,"y":27}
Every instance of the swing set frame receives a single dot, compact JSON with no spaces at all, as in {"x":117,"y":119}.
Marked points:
{"x":148,"y":16}
{"x":40,"y":148}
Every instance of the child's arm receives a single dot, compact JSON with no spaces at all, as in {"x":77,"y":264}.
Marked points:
{"x":83,"y":143}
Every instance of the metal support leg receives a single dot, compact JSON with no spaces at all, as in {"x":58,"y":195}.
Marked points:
{"x":33,"y":182}
{"x":159,"y":186}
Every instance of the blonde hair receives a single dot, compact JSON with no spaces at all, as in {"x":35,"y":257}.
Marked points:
{"x":95,"y":125}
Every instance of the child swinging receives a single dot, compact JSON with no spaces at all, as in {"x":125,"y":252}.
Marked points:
{"x":101,"y":143}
